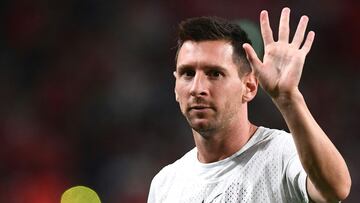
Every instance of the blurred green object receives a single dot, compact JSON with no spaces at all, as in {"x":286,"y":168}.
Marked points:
{"x":80,"y":194}
{"x":254,"y":34}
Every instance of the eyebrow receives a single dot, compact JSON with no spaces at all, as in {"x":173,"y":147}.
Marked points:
{"x":203,"y":67}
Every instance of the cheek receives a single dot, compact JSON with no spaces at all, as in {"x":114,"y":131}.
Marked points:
{"x":180,"y":96}
{"x":181,"y":90}
{"x":233,"y":97}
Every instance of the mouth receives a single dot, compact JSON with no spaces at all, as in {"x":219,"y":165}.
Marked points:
{"x":199,"y":108}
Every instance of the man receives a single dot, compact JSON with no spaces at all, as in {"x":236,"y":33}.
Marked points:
{"x":217,"y":74}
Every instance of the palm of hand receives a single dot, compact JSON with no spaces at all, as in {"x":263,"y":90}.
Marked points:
{"x":282,"y":65}
{"x":281,"y":69}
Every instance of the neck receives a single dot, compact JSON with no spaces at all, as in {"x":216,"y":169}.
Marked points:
{"x":222,"y":144}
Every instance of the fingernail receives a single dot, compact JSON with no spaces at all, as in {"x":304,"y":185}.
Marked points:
{"x":286,"y":9}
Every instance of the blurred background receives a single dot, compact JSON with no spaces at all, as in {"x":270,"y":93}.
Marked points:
{"x":86,"y":90}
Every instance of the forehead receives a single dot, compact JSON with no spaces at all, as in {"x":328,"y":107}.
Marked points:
{"x":217,"y":52}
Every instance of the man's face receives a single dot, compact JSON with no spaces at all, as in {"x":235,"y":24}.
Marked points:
{"x":208,"y":87}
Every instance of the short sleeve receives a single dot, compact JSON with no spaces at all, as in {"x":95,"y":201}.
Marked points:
{"x":152,"y":192}
{"x":160,"y":184}
{"x":294,"y":175}
{"x":295,"y":181}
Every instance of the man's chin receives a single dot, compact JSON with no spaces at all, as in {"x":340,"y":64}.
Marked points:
{"x":201,"y":125}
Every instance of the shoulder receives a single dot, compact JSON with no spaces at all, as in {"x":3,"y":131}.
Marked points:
{"x":280,"y":138}
{"x":277,"y":142}
{"x":168,"y":173}
{"x":168,"y":176}
{"x":271,"y":132}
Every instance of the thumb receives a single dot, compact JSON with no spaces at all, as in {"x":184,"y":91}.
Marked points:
{"x":252,"y":57}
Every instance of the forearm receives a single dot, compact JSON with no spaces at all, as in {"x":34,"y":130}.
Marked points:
{"x":321,"y":160}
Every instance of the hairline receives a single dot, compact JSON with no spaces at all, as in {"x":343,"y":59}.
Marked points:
{"x":237,"y":59}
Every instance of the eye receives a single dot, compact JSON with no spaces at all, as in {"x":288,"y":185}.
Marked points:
{"x":187,"y":73}
{"x":214,"y":74}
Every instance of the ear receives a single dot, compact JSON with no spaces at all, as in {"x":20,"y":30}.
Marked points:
{"x":251,"y":86}
{"x":176,"y":94}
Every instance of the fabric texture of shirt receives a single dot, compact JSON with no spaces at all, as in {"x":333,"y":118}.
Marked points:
{"x":266,"y":169}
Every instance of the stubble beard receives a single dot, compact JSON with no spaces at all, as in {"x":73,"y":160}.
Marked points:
{"x":205,"y":128}
{"x":209,"y":126}
{"x":212,"y":123}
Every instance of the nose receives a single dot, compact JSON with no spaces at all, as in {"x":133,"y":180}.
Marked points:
{"x":199,"y":85}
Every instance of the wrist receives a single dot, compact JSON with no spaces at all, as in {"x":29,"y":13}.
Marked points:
{"x":288,"y":99}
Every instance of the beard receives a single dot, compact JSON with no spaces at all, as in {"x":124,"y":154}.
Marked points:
{"x":202,"y":127}
{"x":205,"y":123}
{"x":211,"y":120}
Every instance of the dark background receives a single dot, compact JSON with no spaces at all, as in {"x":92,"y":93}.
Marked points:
{"x":86,"y":92}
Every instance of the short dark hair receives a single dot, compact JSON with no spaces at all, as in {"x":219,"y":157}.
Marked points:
{"x":214,"y":28}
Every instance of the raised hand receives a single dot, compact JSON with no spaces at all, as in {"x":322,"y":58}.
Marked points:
{"x":279,"y":74}
{"x":280,"y":71}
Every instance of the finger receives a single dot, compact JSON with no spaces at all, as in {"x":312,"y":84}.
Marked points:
{"x":300,"y":31}
{"x":308,"y":42}
{"x":266,"y":31}
{"x":252,"y":57}
{"x":284,"y":25}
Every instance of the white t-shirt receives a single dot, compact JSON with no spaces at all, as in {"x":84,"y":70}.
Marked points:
{"x":266,"y":169}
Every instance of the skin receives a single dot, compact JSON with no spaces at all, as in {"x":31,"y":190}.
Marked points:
{"x":279,"y":75}
{"x":214,"y":100}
